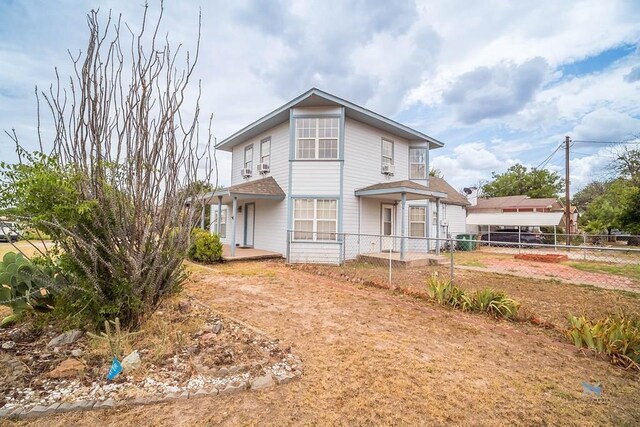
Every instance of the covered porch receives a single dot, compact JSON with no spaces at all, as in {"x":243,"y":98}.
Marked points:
{"x":247,"y":254}
{"x":238,"y":226}
{"x":396,"y":245}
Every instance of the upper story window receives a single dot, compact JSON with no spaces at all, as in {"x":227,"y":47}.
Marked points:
{"x":387,"y":152}
{"x":265,"y":151}
{"x":248,"y":157}
{"x":418,"y":163}
{"x":317,"y":138}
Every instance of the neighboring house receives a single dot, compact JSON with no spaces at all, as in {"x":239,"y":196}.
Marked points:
{"x":514,"y":211}
{"x":318,"y":169}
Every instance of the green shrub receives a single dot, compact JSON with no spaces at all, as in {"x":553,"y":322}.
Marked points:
{"x":205,"y":247}
{"x":489,"y":301}
{"x":617,"y":336}
{"x":494,"y":303}
{"x":444,"y":292}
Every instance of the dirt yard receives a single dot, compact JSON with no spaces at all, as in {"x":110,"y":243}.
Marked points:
{"x":372,"y":357}
{"x":551,"y":301}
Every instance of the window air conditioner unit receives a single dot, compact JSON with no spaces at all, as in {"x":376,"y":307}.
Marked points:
{"x":245,"y":172}
{"x":263,"y":168}
{"x":388,"y":169}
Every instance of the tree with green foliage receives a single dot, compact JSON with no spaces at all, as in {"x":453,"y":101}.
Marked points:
{"x":586,"y":195}
{"x":630,"y":215}
{"x":604,"y":212}
{"x":519,"y":180}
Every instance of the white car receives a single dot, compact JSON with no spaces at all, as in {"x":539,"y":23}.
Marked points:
{"x":8,"y":231}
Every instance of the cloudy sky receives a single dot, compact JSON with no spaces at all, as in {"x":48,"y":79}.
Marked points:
{"x":499,"y":82}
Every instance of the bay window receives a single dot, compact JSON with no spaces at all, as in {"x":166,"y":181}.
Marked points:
{"x":315,"y":219}
{"x":418,"y":163}
{"x":223,"y":222}
{"x":317,"y":138}
{"x":417,"y":221}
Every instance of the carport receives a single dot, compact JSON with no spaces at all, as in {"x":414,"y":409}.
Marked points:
{"x":517,"y":219}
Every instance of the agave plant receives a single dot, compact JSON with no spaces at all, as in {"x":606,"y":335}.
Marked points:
{"x":23,"y":285}
{"x":617,"y":336}
{"x":495,"y":303}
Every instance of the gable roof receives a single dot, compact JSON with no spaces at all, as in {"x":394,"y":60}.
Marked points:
{"x":442,"y":186}
{"x":317,"y":98}
{"x":437,"y":187}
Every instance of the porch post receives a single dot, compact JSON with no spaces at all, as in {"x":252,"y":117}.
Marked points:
{"x":233,"y":225}
{"x":218,"y":224}
{"x":211,"y":229}
{"x":202,"y":216}
{"x":437,"y":226}
{"x":403,"y":205}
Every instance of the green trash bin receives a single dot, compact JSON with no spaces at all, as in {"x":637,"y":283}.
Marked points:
{"x":467,"y":242}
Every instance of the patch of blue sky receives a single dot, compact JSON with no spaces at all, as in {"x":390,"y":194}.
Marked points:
{"x":599,"y":62}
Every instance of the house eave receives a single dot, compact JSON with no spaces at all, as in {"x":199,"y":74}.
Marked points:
{"x":396,"y":193}
{"x":356,"y":112}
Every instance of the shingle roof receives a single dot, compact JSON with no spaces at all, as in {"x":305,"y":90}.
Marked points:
{"x":265,"y":187}
{"x":436,"y":184}
{"x":442,"y":186}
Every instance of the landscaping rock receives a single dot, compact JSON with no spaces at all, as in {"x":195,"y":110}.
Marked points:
{"x":131,"y":362}
{"x":65,"y":338}
{"x":262,"y":382}
{"x":217,"y":328}
{"x":8,"y":345}
{"x":77,"y":352}
{"x":67,"y":369}
{"x":184,"y":307}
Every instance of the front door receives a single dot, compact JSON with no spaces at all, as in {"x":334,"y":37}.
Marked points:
{"x":387,"y":227}
{"x":249,"y":224}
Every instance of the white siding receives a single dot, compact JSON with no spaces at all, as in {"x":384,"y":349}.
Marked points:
{"x":457,"y":218}
{"x":362,"y":164}
{"x":271,"y":225}
{"x":310,"y":111}
{"x":319,"y":178}
{"x":321,"y":253}
{"x":279,"y":157}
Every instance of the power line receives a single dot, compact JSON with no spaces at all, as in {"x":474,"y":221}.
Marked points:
{"x":607,"y":142}
{"x":548,"y":159}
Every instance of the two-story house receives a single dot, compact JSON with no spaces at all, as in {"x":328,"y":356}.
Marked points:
{"x":321,"y":168}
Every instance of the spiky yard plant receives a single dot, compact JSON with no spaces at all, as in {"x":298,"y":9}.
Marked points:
{"x":618,"y":336}
{"x":125,"y":150}
{"x":494,"y":303}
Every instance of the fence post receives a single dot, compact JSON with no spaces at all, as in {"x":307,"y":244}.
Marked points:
{"x":390,"y":268}
{"x":451,"y":249}
{"x":344,"y":249}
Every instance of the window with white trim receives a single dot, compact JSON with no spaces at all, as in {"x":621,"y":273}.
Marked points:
{"x":265,"y":151}
{"x":387,"y":152}
{"x":248,"y":157}
{"x":223,"y":222}
{"x":417,"y":221}
{"x":317,"y":138}
{"x":417,"y":163}
{"x":315,"y":219}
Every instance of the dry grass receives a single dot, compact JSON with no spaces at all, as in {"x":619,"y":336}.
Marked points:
{"x":164,"y":334}
{"x":372,"y":357}
{"x":28,"y":249}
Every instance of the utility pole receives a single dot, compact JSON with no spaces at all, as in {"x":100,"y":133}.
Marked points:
{"x":567,"y":199}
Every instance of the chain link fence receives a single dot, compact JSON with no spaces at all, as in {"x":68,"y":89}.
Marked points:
{"x":400,"y":262}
